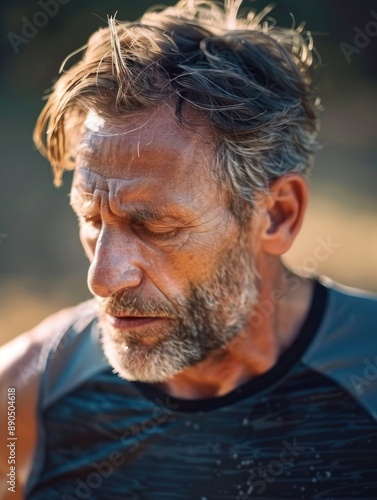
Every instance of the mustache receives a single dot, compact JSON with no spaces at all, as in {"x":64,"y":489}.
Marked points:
{"x":124,"y":305}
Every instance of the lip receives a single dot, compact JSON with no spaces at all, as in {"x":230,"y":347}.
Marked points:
{"x":132,"y":322}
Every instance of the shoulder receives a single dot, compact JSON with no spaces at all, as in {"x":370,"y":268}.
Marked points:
{"x":352,"y":303}
{"x":345,"y":347}
{"x":23,"y":364}
{"x":27,"y":350}
{"x":58,"y":354}
{"x":350,"y":319}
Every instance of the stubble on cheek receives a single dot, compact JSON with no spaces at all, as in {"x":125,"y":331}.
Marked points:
{"x":213,"y":314}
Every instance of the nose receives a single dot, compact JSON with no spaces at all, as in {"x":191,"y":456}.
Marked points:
{"x":116,"y":263}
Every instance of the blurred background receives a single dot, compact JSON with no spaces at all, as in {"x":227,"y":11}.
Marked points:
{"x":42,"y":266}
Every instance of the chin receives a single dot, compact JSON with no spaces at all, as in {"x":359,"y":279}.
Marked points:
{"x":136,"y":361}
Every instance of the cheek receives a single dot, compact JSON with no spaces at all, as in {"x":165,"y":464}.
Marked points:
{"x":198,"y":261}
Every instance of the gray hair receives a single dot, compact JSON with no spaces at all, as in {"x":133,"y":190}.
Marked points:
{"x":247,"y":77}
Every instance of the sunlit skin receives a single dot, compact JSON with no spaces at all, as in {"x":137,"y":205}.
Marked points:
{"x":153,"y":222}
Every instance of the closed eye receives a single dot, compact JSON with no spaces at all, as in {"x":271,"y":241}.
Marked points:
{"x":158,"y":231}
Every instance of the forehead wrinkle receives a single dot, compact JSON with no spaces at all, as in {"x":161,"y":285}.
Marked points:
{"x":95,"y":141}
{"x":127,"y":160}
{"x":119,"y":200}
{"x":126,"y":199}
{"x":85,"y":177}
{"x":120,"y":190}
{"x":138,"y":141}
{"x":114,"y":186}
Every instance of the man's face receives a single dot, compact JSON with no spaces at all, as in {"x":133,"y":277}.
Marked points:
{"x":172,"y":273}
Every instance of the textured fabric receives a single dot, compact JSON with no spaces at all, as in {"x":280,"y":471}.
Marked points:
{"x":305,"y":429}
{"x":327,"y":442}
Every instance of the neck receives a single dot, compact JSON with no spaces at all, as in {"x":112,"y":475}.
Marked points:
{"x":273,"y":325}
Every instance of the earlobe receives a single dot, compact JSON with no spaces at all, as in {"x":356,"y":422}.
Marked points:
{"x":285,"y":207}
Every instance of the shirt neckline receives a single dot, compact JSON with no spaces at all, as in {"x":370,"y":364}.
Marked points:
{"x":287,"y":360}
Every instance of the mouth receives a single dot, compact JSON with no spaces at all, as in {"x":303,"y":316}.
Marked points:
{"x":132,"y":322}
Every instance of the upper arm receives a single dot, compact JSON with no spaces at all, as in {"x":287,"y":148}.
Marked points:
{"x":22,"y":363}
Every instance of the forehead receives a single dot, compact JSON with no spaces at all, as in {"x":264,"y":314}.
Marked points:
{"x":150,"y":155}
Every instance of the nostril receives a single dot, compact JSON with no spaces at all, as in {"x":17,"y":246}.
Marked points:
{"x":104,"y":281}
{"x":132,"y":275}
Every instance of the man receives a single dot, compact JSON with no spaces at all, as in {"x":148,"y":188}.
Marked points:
{"x":203,"y":368}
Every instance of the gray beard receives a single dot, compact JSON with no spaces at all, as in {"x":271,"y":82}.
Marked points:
{"x":214,"y":313}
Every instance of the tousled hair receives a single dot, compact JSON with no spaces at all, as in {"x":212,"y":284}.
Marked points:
{"x":248,"y":78}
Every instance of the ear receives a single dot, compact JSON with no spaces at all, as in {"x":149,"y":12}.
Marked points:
{"x":284,"y":210}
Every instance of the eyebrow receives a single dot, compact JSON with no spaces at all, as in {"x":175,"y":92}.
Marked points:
{"x":135,"y":214}
{"x":149,"y":214}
